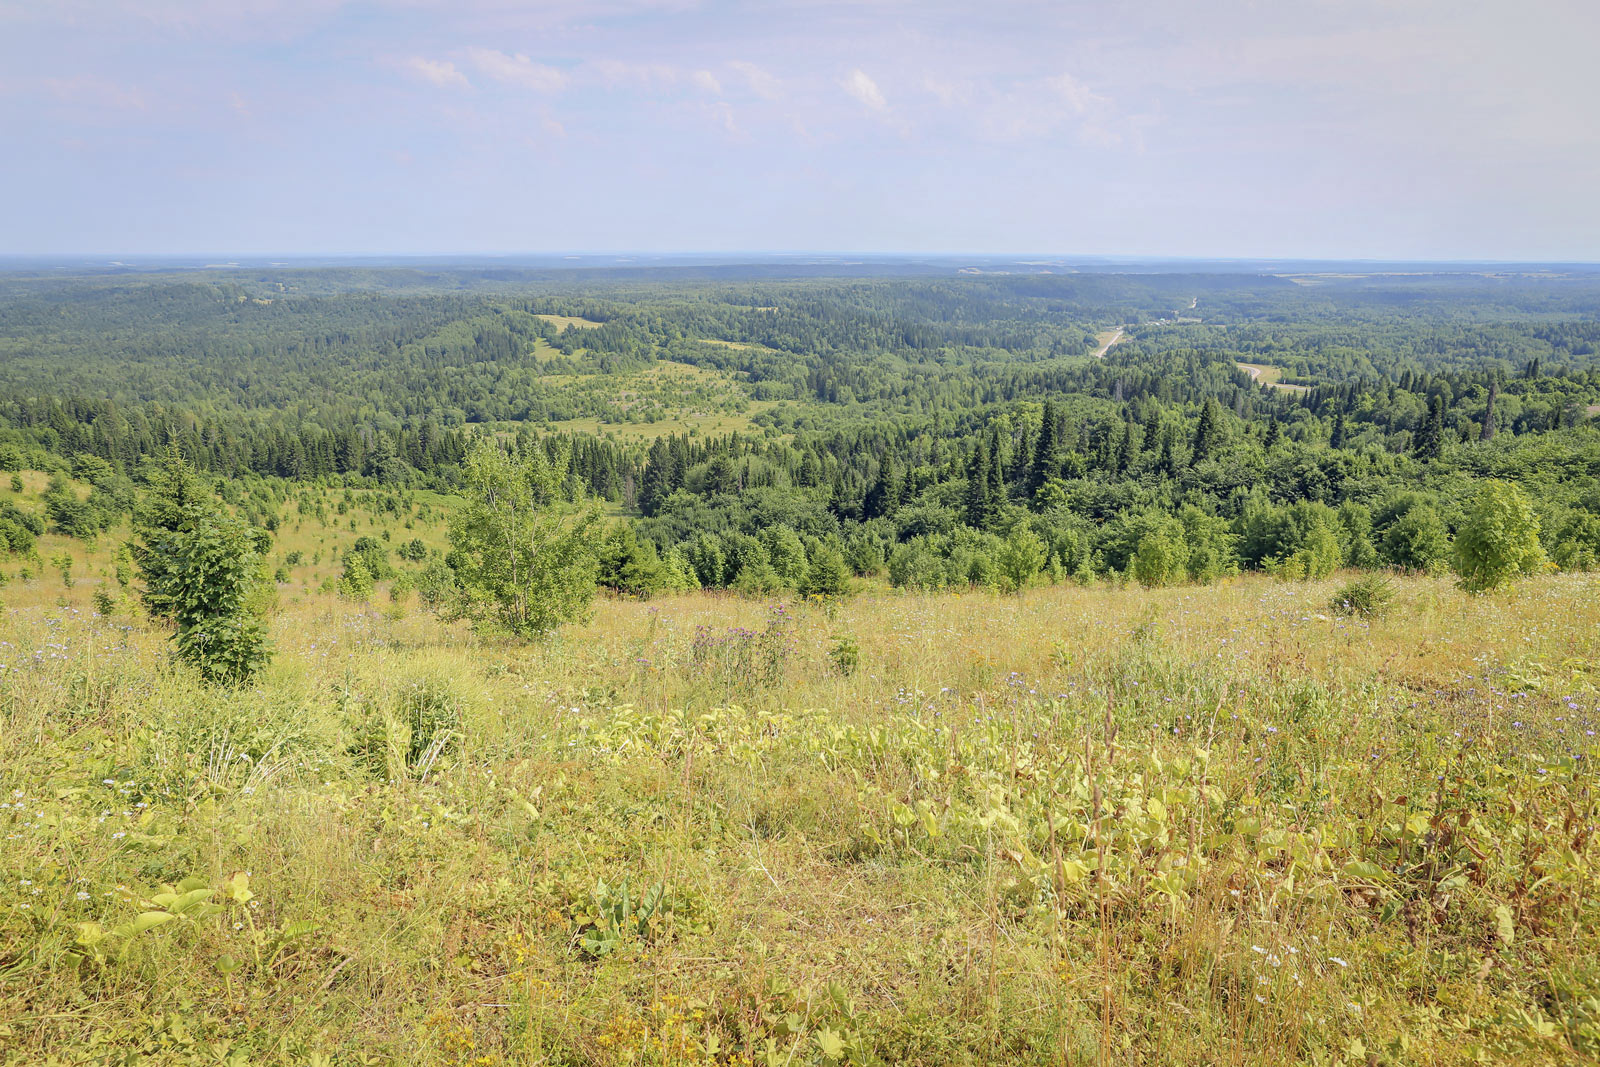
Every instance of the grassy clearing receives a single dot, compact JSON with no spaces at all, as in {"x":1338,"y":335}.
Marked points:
{"x":567,"y":322}
{"x":1106,"y":338}
{"x":693,"y":425}
{"x":1271,"y":376}
{"x":665,"y":398}
{"x":1085,"y":825}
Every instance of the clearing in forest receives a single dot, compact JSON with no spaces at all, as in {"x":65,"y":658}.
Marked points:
{"x":1270,"y":376}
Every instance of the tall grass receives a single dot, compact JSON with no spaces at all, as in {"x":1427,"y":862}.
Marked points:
{"x":1083,"y":825}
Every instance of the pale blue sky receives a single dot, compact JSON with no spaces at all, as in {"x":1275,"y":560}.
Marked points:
{"x":1355,"y":128}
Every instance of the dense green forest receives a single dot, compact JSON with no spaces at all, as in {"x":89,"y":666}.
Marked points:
{"x":766,"y":430}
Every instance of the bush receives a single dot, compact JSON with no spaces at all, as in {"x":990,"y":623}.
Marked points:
{"x":1020,"y":557}
{"x":372,"y":554}
{"x":436,"y":584}
{"x":357,"y":582}
{"x":629,"y":566}
{"x":407,"y":735}
{"x":826,"y":572}
{"x":1367,"y":597}
{"x":845,"y":655}
{"x":203,"y":570}
{"x":522,"y":551}
{"x":1162,"y":557}
{"x":1499,"y":540}
{"x":1417,"y":540}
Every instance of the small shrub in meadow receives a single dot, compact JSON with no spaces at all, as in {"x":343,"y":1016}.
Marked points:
{"x":845,"y":655}
{"x":1368,"y":597}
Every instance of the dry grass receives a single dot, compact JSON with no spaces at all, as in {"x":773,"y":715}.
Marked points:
{"x":1083,"y":825}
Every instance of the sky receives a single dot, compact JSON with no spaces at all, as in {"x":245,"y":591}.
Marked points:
{"x":1400,"y":129}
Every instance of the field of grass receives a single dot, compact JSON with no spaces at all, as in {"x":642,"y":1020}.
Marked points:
{"x":1271,"y":377}
{"x":690,"y":424}
{"x":1083,"y":825}
{"x":666,"y":397}
{"x":567,"y":322}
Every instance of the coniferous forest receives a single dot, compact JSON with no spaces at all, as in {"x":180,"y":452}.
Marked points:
{"x":766,"y":430}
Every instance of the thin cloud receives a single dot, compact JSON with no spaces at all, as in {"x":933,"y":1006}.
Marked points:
{"x":759,"y":80}
{"x":437,"y":72}
{"x":704,"y":79}
{"x":515,"y":70}
{"x":1078,"y":96}
{"x":864,"y":89}
{"x":94,"y":92}
{"x":621,"y":74}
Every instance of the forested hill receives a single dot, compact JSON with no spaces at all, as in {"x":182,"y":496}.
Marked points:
{"x":761,"y":423}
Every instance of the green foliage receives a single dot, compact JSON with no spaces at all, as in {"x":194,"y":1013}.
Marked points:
{"x":356,"y":582}
{"x":1577,"y":543}
{"x":826,"y":572}
{"x":522,"y":551}
{"x":1020,"y":557}
{"x":1368,"y":597}
{"x":70,"y":515}
{"x":1499,"y":540}
{"x":202,"y":569}
{"x":436,"y":585}
{"x":1414,"y":536}
{"x":1161,"y":556}
{"x":845,"y":655}
{"x":18,"y":529}
{"x":630,"y":567}
{"x":373,"y":556}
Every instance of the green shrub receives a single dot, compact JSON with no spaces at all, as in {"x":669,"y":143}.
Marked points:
{"x":409,"y":735}
{"x":1367,"y":597}
{"x":1020,"y":557}
{"x":1499,"y":540}
{"x":523,"y":551}
{"x":357,"y":582}
{"x":845,"y":655}
{"x":202,"y":569}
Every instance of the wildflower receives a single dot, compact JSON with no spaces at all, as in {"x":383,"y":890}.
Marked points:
{"x":1339,"y":961}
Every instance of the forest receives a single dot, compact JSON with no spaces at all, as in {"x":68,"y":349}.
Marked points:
{"x":766,"y":432}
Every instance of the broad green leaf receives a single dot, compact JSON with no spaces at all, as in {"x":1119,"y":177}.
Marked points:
{"x":1364,"y":870}
{"x":148,"y":920}
{"x":1505,"y":926}
{"x":831,"y":1042}
{"x":237,"y":888}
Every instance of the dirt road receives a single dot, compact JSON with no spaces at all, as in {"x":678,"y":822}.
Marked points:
{"x":1107,"y":340}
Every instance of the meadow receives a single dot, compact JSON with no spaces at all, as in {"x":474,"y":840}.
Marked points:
{"x":1085,"y":824}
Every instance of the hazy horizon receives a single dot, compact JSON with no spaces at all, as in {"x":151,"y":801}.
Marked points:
{"x":556,"y":258}
{"x":1329,"y":132}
